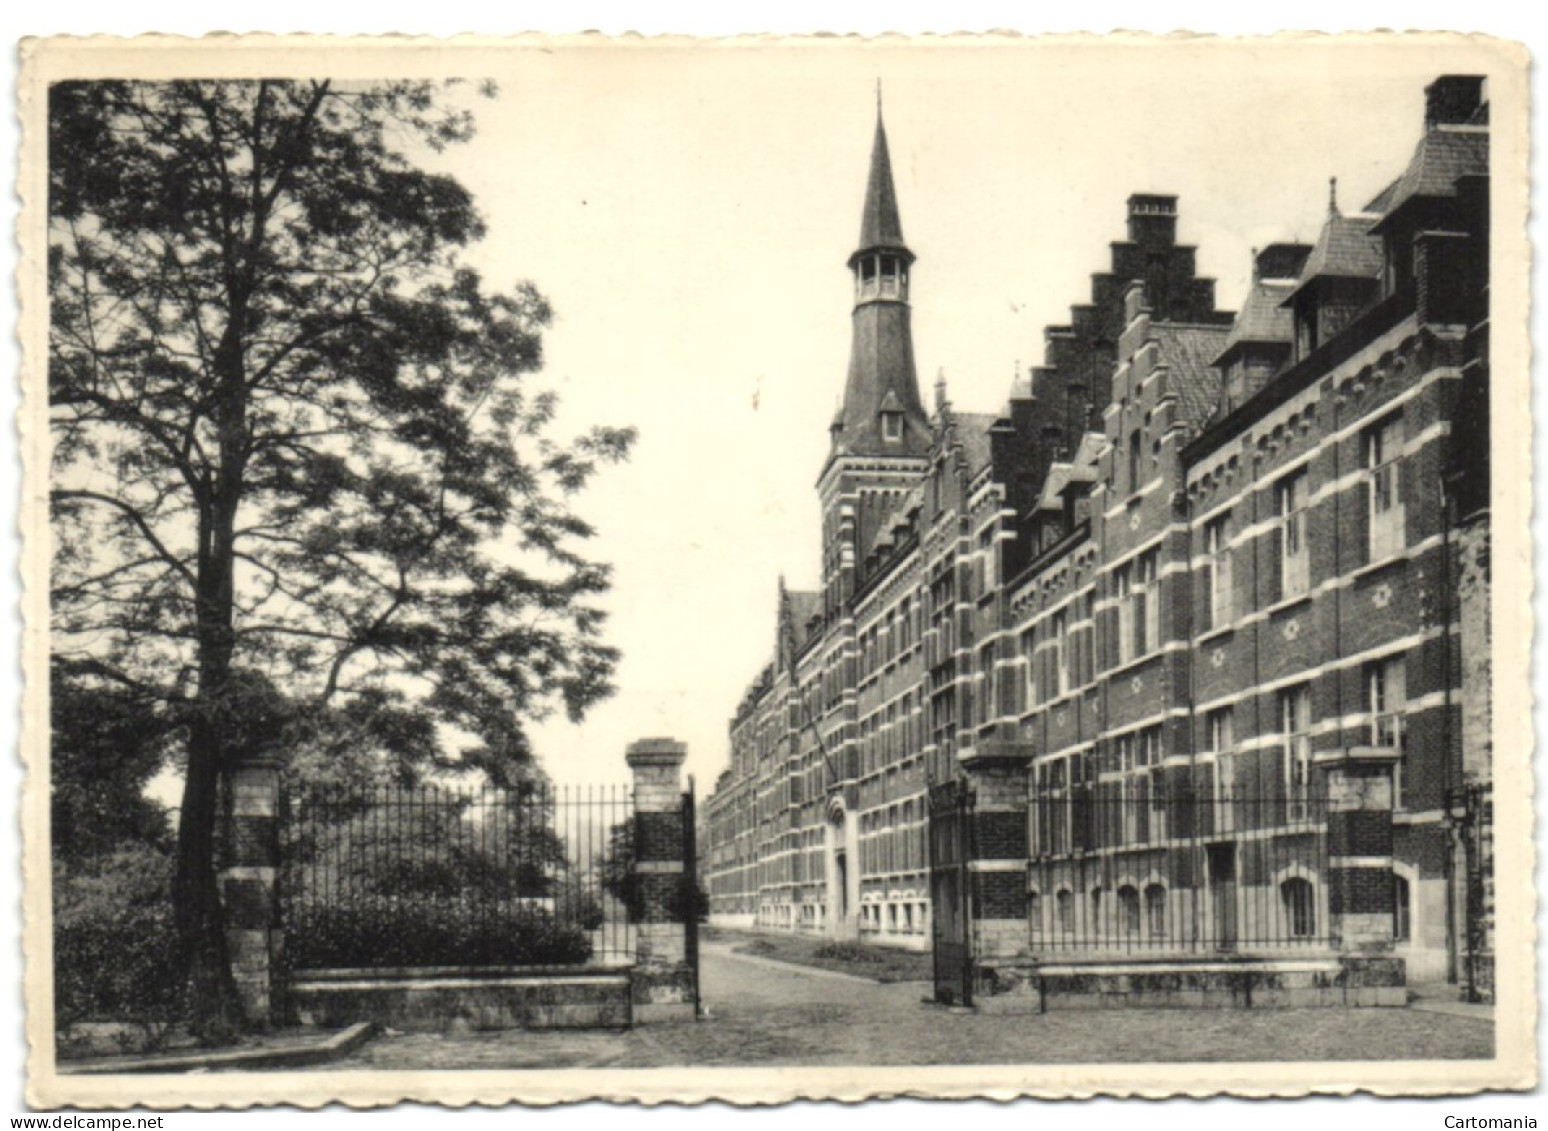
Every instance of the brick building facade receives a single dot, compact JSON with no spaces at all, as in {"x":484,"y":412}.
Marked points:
{"x":1205,"y":587}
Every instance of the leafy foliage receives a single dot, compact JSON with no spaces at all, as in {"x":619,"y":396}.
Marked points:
{"x":115,"y":956}
{"x":302,"y":488}
{"x":108,"y":742}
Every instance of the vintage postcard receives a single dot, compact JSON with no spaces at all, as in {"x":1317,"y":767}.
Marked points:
{"x":664,"y":569}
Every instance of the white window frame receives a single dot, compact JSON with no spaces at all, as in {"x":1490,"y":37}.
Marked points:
{"x":1219,"y":734}
{"x":1295,"y":728}
{"x":1219,"y":551}
{"x":1061,"y":646}
{"x":1386,"y":683}
{"x":1294,"y":556}
{"x":1383,"y":453}
{"x":1139,"y":606}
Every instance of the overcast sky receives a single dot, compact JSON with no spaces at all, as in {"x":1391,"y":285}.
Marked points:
{"x":689,"y":214}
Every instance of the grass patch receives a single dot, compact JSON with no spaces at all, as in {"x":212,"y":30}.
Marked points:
{"x":879,"y":963}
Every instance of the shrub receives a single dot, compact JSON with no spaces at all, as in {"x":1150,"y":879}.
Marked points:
{"x":846,"y":952}
{"x":115,"y":946}
{"x":378,"y":932}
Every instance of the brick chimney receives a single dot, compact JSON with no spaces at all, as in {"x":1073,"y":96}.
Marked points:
{"x":1152,"y":220}
{"x":1452,"y":100}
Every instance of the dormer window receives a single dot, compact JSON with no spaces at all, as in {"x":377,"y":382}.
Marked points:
{"x":892,"y":426}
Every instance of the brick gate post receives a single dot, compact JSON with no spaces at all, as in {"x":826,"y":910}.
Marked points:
{"x":997,"y":777}
{"x":663,"y":981}
{"x":249,"y":888}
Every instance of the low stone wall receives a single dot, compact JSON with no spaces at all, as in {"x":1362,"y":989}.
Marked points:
{"x":1344,"y":981}
{"x":446,"y":999}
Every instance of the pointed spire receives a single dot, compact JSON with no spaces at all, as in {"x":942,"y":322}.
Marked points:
{"x":1333,"y":196}
{"x":879,"y":224}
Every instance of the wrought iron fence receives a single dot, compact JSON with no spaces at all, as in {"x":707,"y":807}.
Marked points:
{"x":1125,"y":874}
{"x":450,"y":875}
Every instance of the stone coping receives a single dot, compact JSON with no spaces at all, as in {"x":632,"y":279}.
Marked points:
{"x":466,"y":973}
{"x":298,"y":1055}
{"x":1275,"y":965}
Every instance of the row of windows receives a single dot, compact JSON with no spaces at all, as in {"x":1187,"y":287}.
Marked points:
{"x":1145,"y":914}
{"x":1062,"y":784}
{"x":906,"y":918}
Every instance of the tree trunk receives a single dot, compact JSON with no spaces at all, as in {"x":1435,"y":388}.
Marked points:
{"x":214,"y":1010}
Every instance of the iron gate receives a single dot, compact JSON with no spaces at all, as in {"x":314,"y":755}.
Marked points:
{"x":951,"y":807}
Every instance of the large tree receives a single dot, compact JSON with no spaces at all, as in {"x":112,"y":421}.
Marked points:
{"x":293,"y":444}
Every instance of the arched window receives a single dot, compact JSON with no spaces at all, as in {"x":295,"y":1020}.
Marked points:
{"x":1402,"y":910}
{"x":1155,"y":910}
{"x":1064,"y":905}
{"x":1129,"y":909}
{"x":1299,"y":901}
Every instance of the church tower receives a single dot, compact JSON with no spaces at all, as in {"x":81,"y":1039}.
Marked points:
{"x":880,"y":435}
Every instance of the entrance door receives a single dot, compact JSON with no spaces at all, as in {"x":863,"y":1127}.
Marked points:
{"x":951,"y":933}
{"x":1222,"y":892}
{"x":841,"y":873}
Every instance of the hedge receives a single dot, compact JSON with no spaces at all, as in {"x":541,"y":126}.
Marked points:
{"x":414,"y":932}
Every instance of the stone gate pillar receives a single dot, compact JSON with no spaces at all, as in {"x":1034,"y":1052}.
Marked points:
{"x":664,"y":981}
{"x":1359,"y":784}
{"x":249,"y":888}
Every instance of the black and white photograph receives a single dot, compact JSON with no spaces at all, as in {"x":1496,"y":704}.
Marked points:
{"x":751,"y":569}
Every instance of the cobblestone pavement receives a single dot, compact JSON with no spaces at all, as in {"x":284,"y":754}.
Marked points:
{"x":762,"y":1013}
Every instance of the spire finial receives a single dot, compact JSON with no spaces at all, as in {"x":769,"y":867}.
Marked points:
{"x":940,"y":388}
{"x":1333,"y":195}
{"x":878,"y":96}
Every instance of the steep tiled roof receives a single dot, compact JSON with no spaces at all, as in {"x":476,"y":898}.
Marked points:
{"x":1189,"y":353}
{"x":1263,"y":317}
{"x":973,"y":432}
{"x":1084,"y":465}
{"x":1444,"y":154}
{"x":879,"y":224}
{"x":1382,"y":200}
{"x":1345,"y":249}
{"x":1053,"y":488}
{"x":804,"y":605}
{"x":1082,"y":469}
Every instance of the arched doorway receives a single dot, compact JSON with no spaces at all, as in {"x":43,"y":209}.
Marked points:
{"x":843,"y":859}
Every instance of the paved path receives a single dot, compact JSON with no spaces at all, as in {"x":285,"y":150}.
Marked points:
{"x":769,"y":1013}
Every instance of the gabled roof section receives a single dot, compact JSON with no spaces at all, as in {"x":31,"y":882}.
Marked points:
{"x":1444,"y":154}
{"x":804,"y":606}
{"x":973,"y":435}
{"x":1189,"y":353}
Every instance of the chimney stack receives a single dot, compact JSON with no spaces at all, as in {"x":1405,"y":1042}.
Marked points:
{"x":1452,"y":100}
{"x":1280,"y":261}
{"x":1153,"y":220}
